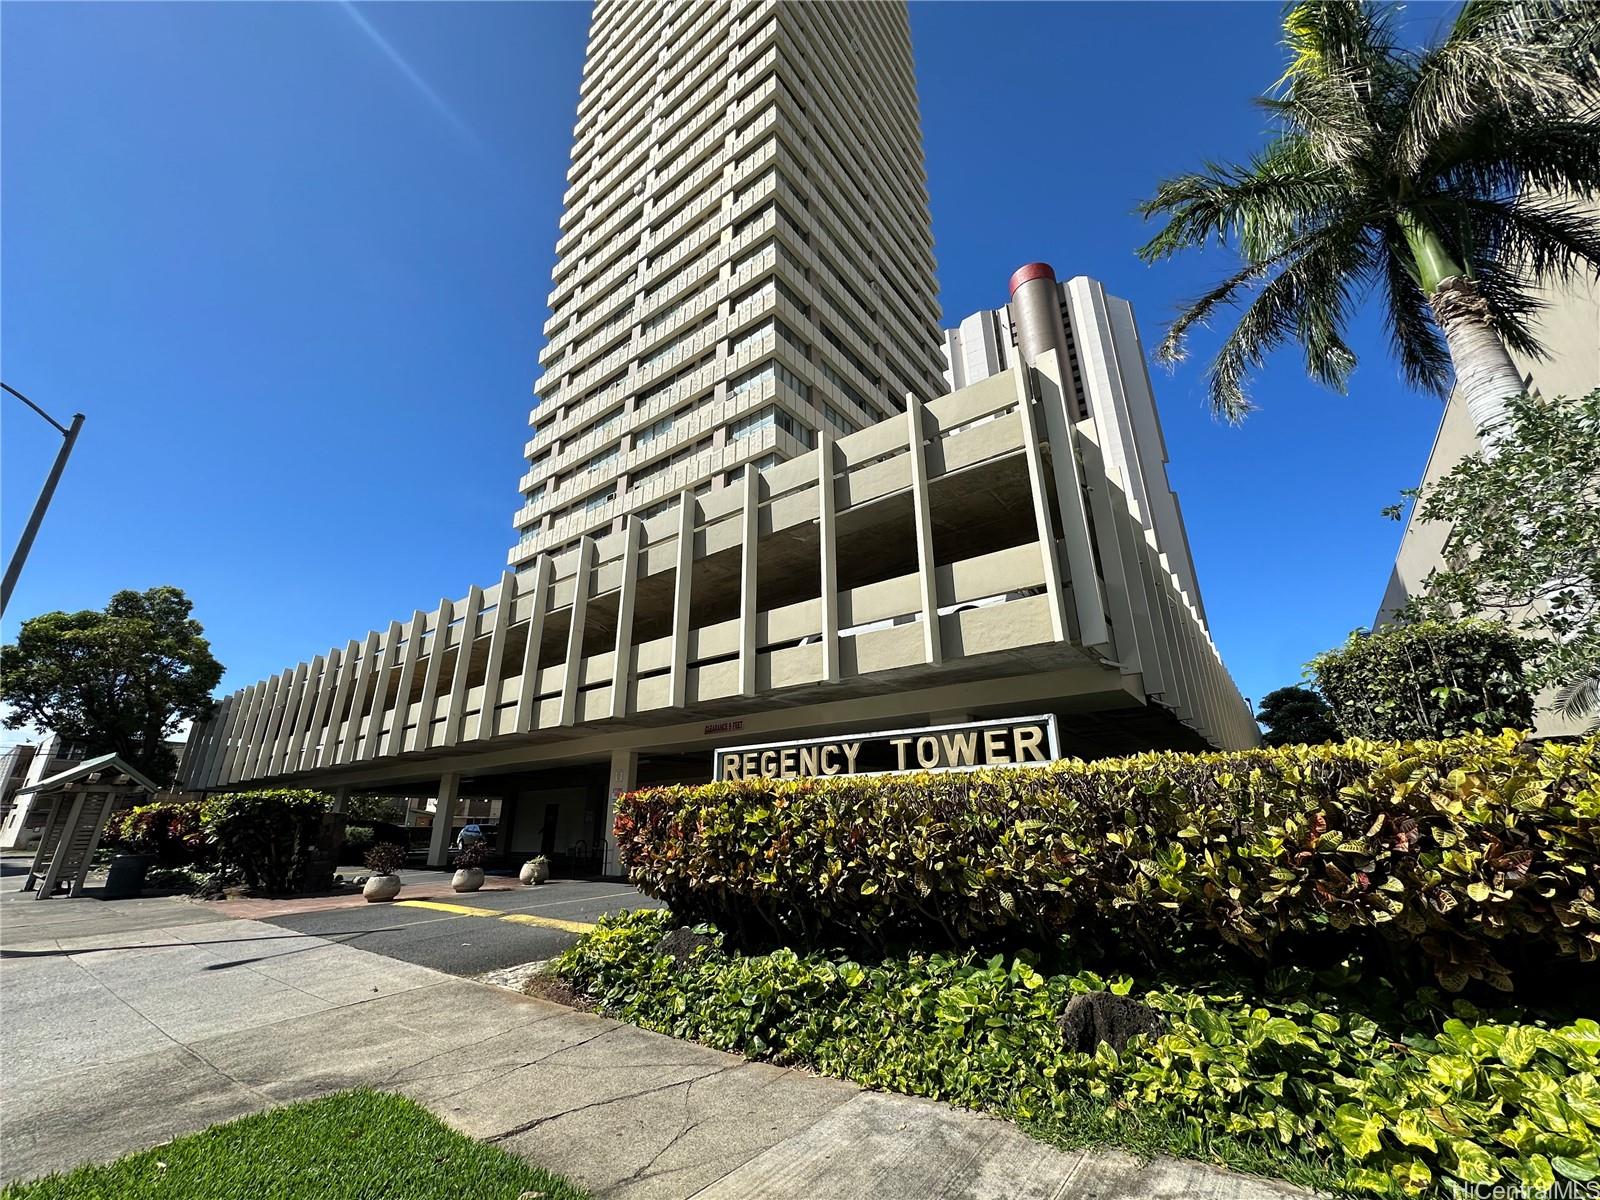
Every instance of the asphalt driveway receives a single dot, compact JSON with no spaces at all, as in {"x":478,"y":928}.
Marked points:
{"x":469,"y":933}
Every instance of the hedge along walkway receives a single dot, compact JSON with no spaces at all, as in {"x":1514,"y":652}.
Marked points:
{"x":107,"y":1051}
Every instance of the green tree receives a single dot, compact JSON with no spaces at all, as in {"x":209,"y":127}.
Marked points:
{"x":1434,"y":679}
{"x":120,"y":680}
{"x":1297,"y":716}
{"x":1442,"y":179}
{"x":364,"y":808}
{"x":1524,"y":542}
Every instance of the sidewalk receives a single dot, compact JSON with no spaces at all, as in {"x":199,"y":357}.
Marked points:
{"x":126,"y":1026}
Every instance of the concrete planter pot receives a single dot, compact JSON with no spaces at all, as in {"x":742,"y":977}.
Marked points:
{"x":467,"y":879}
{"x":381,"y":887}
{"x":535,"y":870}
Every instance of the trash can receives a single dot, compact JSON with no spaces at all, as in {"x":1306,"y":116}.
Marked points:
{"x":126,"y":877}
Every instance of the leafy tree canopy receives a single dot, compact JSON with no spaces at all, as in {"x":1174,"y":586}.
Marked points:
{"x":120,"y":680}
{"x":1524,"y":542}
{"x":1297,"y":716}
{"x":1433,"y":679}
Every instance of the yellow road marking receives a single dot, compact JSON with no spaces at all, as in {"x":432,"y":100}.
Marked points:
{"x":461,"y":910}
{"x":548,"y":922}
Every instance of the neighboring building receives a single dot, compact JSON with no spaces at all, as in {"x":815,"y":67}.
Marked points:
{"x":23,"y":766}
{"x":876,"y":556}
{"x":1106,"y":361}
{"x":1569,"y":328}
{"x":746,"y":256}
{"x":13,"y":775}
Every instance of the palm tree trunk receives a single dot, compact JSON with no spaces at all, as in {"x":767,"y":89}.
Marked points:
{"x":1485,"y":375}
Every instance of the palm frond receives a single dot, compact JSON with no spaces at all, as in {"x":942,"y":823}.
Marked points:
{"x":1581,"y":699}
{"x":1336,"y":38}
{"x":1346,"y":76}
{"x":1417,"y":345}
{"x":1513,"y":303}
{"x":1338,"y":273}
{"x":1307,"y":298}
{"x":1550,"y":240}
{"x":1507,"y":63}
{"x":1265,"y":203}
{"x":1493,"y":157}
{"x":1199,"y":311}
{"x":1513,"y":247}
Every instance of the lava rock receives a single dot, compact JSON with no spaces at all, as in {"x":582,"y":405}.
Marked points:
{"x":681,"y":943}
{"x":1096,"y":1017}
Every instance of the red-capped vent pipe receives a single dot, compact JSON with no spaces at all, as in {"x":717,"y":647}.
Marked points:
{"x":1036,"y":309}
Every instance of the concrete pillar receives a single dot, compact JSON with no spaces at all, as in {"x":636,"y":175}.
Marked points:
{"x":380,"y":694}
{"x":921,"y":506}
{"x":431,"y":673}
{"x":455,"y":710}
{"x":443,"y":817}
{"x":583,"y":580}
{"x":505,"y":602}
{"x":408,"y":675}
{"x":1041,"y":342}
{"x":341,"y":695}
{"x":624,"y":778}
{"x":278,"y":751}
{"x":750,"y":524}
{"x":622,"y":654}
{"x":302,"y":722}
{"x":527,"y":688}
{"x":827,"y":536}
{"x":341,"y":800}
{"x":366,"y":668}
{"x":682,"y":576}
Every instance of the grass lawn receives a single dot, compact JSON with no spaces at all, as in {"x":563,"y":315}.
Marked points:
{"x":358,"y":1145}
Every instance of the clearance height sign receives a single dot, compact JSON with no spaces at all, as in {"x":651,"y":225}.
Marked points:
{"x":1008,"y":742}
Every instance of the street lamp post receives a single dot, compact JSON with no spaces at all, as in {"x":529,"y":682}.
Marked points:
{"x":69,"y":435}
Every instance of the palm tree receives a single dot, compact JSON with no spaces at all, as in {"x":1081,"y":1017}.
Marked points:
{"x":1446,"y":179}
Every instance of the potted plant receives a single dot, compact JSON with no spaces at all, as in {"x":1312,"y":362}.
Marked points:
{"x":384,"y":860}
{"x":469,"y":862}
{"x":535,"y":870}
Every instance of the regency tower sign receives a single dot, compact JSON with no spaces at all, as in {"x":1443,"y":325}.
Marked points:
{"x":1010,"y":741}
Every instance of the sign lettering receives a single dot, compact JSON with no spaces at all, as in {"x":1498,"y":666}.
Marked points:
{"x":1013,"y":741}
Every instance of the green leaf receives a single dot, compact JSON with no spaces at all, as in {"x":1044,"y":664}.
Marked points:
{"x":1357,"y":1131}
{"x":1471,"y":1162}
{"x":1412,"y":1128}
{"x":1583,"y":1168}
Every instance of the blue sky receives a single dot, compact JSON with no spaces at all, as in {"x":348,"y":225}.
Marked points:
{"x":291,"y":260}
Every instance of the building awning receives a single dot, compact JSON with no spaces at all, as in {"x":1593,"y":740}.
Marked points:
{"x":88,"y":767}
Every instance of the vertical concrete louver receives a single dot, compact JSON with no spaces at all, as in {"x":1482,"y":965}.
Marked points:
{"x":746,"y":256}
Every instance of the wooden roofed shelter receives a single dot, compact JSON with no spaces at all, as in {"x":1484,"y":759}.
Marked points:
{"x":80,"y":802}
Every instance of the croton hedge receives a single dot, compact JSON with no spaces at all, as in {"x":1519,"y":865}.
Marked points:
{"x":167,"y":829}
{"x":1466,"y":852}
{"x":1421,"y":1101}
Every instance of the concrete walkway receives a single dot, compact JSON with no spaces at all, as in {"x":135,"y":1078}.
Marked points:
{"x":130,"y":1023}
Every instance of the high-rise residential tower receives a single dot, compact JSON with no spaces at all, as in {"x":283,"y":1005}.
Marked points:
{"x":762,"y":534}
{"x":746,"y":255}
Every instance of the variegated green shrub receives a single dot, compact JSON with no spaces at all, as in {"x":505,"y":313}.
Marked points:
{"x":1451,"y":851}
{"x":1404,"y":1109}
